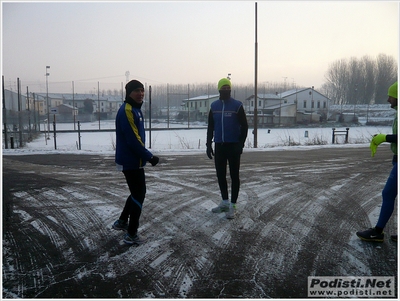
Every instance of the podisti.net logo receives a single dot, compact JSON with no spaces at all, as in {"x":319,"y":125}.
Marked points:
{"x":361,"y":287}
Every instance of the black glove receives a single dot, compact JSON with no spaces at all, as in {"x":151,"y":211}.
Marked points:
{"x":210,"y":152}
{"x":154,"y":160}
{"x":241,"y":148}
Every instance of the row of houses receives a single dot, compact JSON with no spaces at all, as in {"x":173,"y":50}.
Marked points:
{"x":64,"y":105}
{"x":290,"y":107}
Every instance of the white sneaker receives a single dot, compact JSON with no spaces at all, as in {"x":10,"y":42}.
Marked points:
{"x":231,"y":211}
{"x":222,"y":207}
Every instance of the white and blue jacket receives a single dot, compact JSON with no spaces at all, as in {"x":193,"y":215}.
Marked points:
{"x":227,"y":122}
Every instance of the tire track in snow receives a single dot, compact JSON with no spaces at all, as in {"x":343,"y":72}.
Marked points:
{"x":53,"y":220}
{"x":289,"y":210}
{"x":330,"y":253}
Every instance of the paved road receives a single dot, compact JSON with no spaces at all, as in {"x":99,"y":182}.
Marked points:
{"x":298,"y":214}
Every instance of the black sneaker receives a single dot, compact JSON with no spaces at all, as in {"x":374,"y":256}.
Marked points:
{"x":120,"y":225}
{"x":134,"y":239}
{"x":393,"y":237}
{"x":371,"y":235}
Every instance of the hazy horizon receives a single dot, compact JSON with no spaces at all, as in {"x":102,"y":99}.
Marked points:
{"x":159,"y":43}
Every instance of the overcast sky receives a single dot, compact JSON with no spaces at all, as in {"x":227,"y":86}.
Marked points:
{"x":189,"y":42}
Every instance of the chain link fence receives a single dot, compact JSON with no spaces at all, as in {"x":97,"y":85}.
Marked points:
{"x":20,"y":127}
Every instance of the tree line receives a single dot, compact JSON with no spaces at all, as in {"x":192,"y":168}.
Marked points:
{"x":348,"y":81}
{"x":360,"y":81}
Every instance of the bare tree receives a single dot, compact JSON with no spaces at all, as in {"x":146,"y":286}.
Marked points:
{"x":366,"y":89}
{"x":363,"y":81}
{"x":354,"y":80}
{"x":386,"y":74}
{"x":337,"y":77}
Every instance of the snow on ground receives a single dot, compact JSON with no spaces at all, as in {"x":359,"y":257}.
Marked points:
{"x":297,"y":222}
{"x":181,"y":140}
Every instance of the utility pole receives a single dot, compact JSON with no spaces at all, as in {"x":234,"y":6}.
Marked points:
{"x":167,"y":106}
{"x":188,"y":107}
{"x":149,"y":116}
{"x":35,"y":113}
{"x":48,"y":105}
{"x":4,"y":113}
{"x":98,"y":100}
{"x":73,"y":103}
{"x":255,"y":80}
{"x":29,"y":113}
{"x":20,"y":126}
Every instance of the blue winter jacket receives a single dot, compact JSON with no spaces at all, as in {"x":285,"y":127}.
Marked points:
{"x":227,"y":122}
{"x":130,"y":151}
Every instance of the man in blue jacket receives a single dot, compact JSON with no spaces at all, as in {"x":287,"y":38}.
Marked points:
{"x":389,"y":192}
{"x":131,"y":156}
{"x":227,"y":124}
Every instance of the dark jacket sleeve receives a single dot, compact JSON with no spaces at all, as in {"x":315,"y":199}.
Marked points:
{"x":132,"y":136}
{"x":210,"y":128}
{"x":244,"y":127}
{"x":391,"y":138}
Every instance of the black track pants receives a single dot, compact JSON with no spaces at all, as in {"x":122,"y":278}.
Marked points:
{"x":133,"y":205}
{"x":228,"y":153}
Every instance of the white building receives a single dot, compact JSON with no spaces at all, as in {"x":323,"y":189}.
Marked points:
{"x":199,"y":106}
{"x":312,"y":106}
{"x":293,"y":106}
{"x":271,"y":110}
{"x":105,"y":104}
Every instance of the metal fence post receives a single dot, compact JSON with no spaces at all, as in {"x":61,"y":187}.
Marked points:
{"x":5,"y":136}
{"x":79,"y":135}
{"x":333,"y":135}
{"x":54,"y":128}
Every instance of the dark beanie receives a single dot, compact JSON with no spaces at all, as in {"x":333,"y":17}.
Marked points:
{"x":133,"y":85}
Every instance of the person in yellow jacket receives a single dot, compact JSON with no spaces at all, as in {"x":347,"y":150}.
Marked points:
{"x":389,"y":192}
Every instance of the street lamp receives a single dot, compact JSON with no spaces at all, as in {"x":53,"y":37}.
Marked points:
{"x":48,"y":105}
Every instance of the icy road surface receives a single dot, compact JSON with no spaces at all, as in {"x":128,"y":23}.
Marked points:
{"x":298,"y":212}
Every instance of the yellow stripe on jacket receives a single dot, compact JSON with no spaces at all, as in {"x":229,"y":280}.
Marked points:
{"x":131,"y":119}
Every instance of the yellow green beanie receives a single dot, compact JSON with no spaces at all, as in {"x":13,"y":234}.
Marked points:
{"x":224,"y":81}
{"x":392,"y":92}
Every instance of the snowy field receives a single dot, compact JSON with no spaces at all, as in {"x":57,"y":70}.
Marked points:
{"x":298,"y":210}
{"x":193,"y":140}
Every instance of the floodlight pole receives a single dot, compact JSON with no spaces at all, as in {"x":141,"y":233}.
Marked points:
{"x":4,"y":113}
{"x":48,"y":104}
{"x":255,"y":81}
{"x":98,"y":100}
{"x":73,"y":104}
{"x":150,"y":116}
